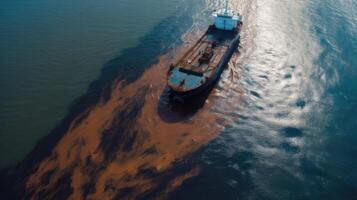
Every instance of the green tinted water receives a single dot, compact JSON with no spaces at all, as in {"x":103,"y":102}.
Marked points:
{"x":51,"y":50}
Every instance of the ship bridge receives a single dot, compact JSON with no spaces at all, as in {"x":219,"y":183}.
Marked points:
{"x":225,"y":19}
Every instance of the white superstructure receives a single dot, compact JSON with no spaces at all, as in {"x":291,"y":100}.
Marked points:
{"x":225,"y":19}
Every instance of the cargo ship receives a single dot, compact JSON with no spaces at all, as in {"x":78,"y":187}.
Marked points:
{"x":202,"y":64}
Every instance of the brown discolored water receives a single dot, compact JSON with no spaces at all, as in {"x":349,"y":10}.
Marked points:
{"x":132,"y":146}
{"x":279,"y":124}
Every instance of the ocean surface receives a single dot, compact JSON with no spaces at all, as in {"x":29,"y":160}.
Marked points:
{"x":50,"y":51}
{"x":280,"y":124}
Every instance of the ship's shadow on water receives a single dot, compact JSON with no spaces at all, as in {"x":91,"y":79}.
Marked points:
{"x":173,"y":108}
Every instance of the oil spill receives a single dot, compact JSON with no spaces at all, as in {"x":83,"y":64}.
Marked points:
{"x":127,"y":147}
{"x":135,"y":143}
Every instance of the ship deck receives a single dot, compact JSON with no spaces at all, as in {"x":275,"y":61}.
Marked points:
{"x":201,"y":62}
{"x":190,"y":61}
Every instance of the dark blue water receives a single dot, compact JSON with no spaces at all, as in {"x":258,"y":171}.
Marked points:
{"x":290,"y":97}
{"x":296,"y":134}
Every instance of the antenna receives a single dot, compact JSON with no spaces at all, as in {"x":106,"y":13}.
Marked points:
{"x":226,"y":10}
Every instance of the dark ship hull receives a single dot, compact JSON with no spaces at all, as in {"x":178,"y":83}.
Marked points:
{"x":202,"y":65}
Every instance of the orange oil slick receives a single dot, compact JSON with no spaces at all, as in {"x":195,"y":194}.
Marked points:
{"x":145,"y":148}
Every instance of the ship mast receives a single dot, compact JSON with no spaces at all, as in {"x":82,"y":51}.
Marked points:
{"x":226,"y":9}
